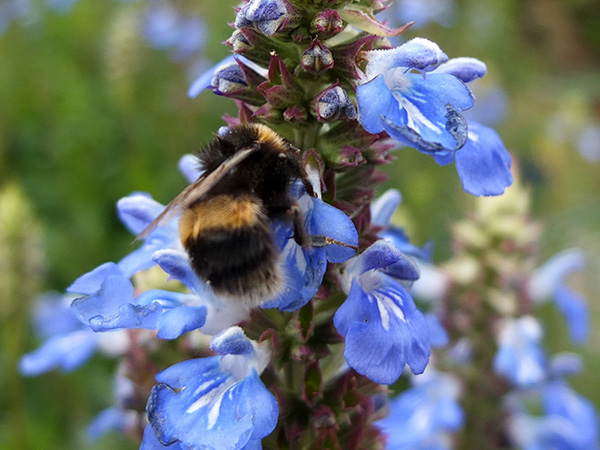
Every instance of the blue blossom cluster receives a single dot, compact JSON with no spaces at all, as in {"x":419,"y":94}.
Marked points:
{"x":535,"y":405}
{"x":308,"y":364}
{"x":383,"y":328}
{"x":416,"y":95}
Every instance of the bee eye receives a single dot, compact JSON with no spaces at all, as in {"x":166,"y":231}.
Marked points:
{"x":282,"y":155}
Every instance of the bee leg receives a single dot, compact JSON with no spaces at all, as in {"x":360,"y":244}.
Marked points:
{"x":300,"y":235}
{"x":308,"y":187}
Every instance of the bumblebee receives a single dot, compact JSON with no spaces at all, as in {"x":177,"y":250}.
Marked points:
{"x":226,"y":214}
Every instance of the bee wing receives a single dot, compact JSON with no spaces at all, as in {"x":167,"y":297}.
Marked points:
{"x":197,"y":190}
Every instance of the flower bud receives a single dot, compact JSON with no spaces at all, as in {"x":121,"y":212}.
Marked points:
{"x":268,"y":16}
{"x":252,"y":44}
{"x":326,"y":24}
{"x":237,"y":81}
{"x":317,"y":58}
{"x":333,"y":104}
{"x":239,"y":42}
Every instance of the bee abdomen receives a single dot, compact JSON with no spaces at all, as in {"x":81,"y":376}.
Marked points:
{"x":240,"y":264}
{"x":230,"y":245}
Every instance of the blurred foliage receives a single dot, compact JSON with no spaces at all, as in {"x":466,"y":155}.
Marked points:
{"x":89,"y":113}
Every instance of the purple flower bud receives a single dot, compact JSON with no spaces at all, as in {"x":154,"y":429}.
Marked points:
{"x":236,"y":80}
{"x":333,"y":104}
{"x":253,"y":44}
{"x":239,"y":42}
{"x":327,"y":23}
{"x":228,"y":79}
{"x":317,"y":58}
{"x":268,"y":16}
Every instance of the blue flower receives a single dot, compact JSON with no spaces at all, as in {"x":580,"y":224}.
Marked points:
{"x":520,"y":358}
{"x":421,"y":111}
{"x":68,"y":344}
{"x":422,"y":416}
{"x":217,"y":402}
{"x":110,"y":304}
{"x":569,"y":421}
{"x":383,"y":328}
{"x":548,"y":281}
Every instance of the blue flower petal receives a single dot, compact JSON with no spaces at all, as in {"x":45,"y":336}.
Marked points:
{"x":565,"y":364}
{"x":232,"y":341}
{"x":253,"y":445}
{"x":353,"y":309}
{"x":465,"y":69}
{"x":303,"y":271}
{"x":424,"y":411}
{"x":189,"y":166}
{"x":552,"y":273}
{"x":197,"y":404}
{"x":382,"y":254}
{"x":129,"y":316}
{"x":418,"y":53}
{"x":483,"y":164}
{"x":400,"y":240}
{"x":65,"y":351}
{"x":177,"y":321}
{"x":111,"y":419}
{"x":177,"y":265}
{"x":140,"y":259}
{"x":385,"y":332}
{"x":577,"y":413}
{"x":114,"y":291}
{"x":520,"y":357}
{"x":575,"y":311}
{"x":376,"y":101}
{"x":438,"y":337}
{"x":326,"y":220}
{"x":137,"y":210}
{"x":433,"y":123}
{"x":92,"y":281}
{"x":383,"y":208}
{"x":151,"y":442}
{"x":52,"y":315}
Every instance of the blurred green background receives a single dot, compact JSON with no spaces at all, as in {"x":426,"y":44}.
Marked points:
{"x":90,"y":112}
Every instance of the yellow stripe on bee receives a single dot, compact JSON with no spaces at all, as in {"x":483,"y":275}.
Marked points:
{"x":223,"y":212}
{"x":265,"y":134}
